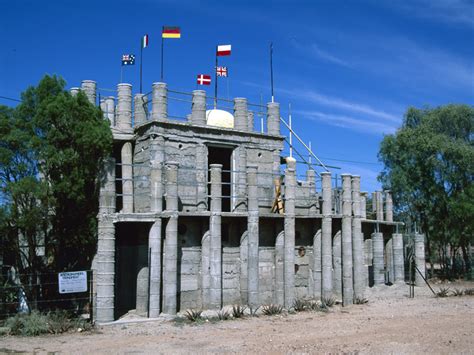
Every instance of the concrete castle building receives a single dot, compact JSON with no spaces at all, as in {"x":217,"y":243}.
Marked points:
{"x":205,"y":212}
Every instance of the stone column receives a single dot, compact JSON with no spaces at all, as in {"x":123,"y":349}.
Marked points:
{"x":240,"y":155}
{"x":279,"y":294}
{"x":124,"y":106}
{"x":374,"y":204}
{"x":389,"y":261}
{"x":240,"y":114}
{"x":198,"y":108}
{"x":317,"y":265}
{"x":74,"y":91}
{"x":107,"y":197}
{"x":420,"y":258}
{"x":378,"y":259}
{"x":215,"y":293}
{"x":201,"y":177}
{"x":326,"y":236}
{"x":398,"y":260}
{"x":154,"y":236}
{"x":110,"y":108}
{"x":159,"y":102}
{"x":388,"y":206}
{"x":357,"y":241}
{"x":273,"y":118}
{"x":170,"y":275}
{"x":140,"y":101}
{"x":105,"y":270}
{"x":363,"y":205}
{"x":346,"y":236}
{"x":379,"y":205}
{"x":154,"y":243}
{"x":141,"y":300}
{"x":289,"y":266}
{"x":313,"y":202}
{"x":368,"y":255}
{"x":250,"y":122}
{"x":337,"y":264}
{"x":252,"y":229}
{"x":89,"y":87}
{"x":127,"y":178}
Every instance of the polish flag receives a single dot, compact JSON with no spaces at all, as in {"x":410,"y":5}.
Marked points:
{"x":223,"y":50}
{"x":203,"y":79}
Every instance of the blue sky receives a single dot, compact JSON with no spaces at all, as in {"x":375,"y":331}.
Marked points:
{"x":349,"y":69}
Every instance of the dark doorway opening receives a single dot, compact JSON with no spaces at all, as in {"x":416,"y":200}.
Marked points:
{"x":220,"y":155}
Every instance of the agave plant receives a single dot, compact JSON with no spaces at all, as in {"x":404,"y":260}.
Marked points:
{"x":193,"y":315}
{"x":238,"y":311}
{"x":458,"y":292}
{"x":300,"y":305}
{"x":443,"y":292}
{"x":272,"y":309}
{"x":360,"y":300}
{"x":223,"y":314}
{"x":328,"y":301}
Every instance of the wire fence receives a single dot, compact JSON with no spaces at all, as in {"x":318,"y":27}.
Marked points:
{"x":25,"y":292}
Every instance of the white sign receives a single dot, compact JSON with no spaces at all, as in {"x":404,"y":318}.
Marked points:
{"x":71,"y":282}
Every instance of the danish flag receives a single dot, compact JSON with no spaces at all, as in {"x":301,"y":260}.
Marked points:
{"x":221,"y":71}
{"x":203,"y":79}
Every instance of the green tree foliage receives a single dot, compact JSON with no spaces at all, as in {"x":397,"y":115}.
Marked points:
{"x":51,"y":150}
{"x":429,"y":166}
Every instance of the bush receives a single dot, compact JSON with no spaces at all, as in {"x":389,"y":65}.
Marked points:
{"x":193,"y":315}
{"x":443,"y":292}
{"x":37,"y":323}
{"x":238,"y":311}
{"x":32,"y":324}
{"x":300,"y":305}
{"x":272,"y":309}
{"x":329,"y":301}
{"x":223,"y":314}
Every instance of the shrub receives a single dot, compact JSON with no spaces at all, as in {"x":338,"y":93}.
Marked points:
{"x":253,"y":311}
{"x":193,"y":315}
{"x":272,"y":309}
{"x":238,"y":311}
{"x":32,"y":324}
{"x":59,"y":321}
{"x":300,"y":305}
{"x":328,"y":301}
{"x":360,"y":300}
{"x":469,"y":291}
{"x":458,"y":292}
{"x":443,"y":292}
{"x":223,"y":314}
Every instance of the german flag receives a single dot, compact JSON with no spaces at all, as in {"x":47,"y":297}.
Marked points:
{"x":171,"y":32}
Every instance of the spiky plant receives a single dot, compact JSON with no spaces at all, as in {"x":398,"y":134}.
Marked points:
{"x":443,"y":292}
{"x":300,"y":304}
{"x":361,"y":300}
{"x":223,"y":314}
{"x":238,"y":311}
{"x":253,"y":311}
{"x":272,"y":309}
{"x":193,"y":315}
{"x":469,"y":291}
{"x":328,"y":301}
{"x":458,"y":292}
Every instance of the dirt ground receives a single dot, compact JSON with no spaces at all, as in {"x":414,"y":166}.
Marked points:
{"x":390,"y":323}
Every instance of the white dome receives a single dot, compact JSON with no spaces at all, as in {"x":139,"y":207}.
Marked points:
{"x":219,"y":118}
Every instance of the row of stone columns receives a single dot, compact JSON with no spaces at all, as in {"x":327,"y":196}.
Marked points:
{"x":378,"y":206}
{"x":121,"y":117}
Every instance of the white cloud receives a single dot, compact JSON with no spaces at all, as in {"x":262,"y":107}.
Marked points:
{"x":347,"y":122}
{"x":459,"y":12}
{"x":316,"y":51}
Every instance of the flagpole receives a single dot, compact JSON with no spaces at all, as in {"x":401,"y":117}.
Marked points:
{"x":162,"y":47}
{"x":215,"y":83}
{"x":141,"y":64}
{"x":271,"y":69}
